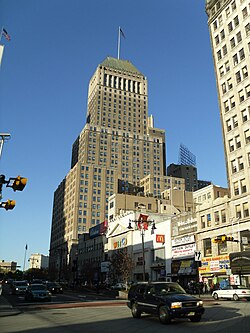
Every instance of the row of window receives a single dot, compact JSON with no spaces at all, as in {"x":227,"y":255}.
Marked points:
{"x":207,"y":247}
{"x":240,"y":187}
{"x":237,"y":164}
{"x":243,"y":94}
{"x":219,"y":217}
{"x":207,"y":221}
{"x":235,"y":142}
{"x":229,"y":10}
{"x":232,"y":123}
{"x":113,"y":92}
{"x":237,"y":57}
{"x":239,"y":76}
{"x":121,"y":83}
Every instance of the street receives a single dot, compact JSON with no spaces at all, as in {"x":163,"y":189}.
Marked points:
{"x":222,"y":316}
{"x":69,"y":296}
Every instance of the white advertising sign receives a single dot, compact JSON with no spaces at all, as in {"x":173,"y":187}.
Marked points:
{"x":184,"y":250}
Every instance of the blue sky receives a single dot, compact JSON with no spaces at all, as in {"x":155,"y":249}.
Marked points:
{"x":54,"y":50}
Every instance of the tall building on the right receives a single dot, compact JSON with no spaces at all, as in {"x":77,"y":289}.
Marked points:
{"x":229,"y":25}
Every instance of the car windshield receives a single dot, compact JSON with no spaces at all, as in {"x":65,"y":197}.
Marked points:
{"x":53,"y":284}
{"x":21,"y":284}
{"x":38,"y":287}
{"x":169,"y":288}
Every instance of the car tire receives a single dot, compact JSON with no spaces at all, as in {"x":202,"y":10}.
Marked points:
{"x":164,"y":315}
{"x":135,"y":312}
{"x":235,"y":297}
{"x":195,"y":319}
{"x":215,"y":296}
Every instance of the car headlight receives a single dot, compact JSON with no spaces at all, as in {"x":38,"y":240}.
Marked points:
{"x":176,"y":305}
{"x":199,"y":303}
{"x":16,"y":288}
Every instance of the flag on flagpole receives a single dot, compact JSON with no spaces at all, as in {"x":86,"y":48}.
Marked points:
{"x":5,"y":34}
{"x":122,"y":33}
{"x":26,"y":247}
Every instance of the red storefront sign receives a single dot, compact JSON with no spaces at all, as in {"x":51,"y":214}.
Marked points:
{"x":160,"y":239}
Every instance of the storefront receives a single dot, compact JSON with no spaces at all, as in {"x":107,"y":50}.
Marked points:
{"x":184,"y":271}
{"x":184,"y":267}
{"x":240,"y":266}
{"x":215,"y":272}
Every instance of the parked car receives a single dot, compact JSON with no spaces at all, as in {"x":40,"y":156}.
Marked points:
{"x":37,"y":292}
{"x":54,"y":287}
{"x":37,"y":281}
{"x":167,"y":300}
{"x":119,"y":286}
{"x":232,"y":292}
{"x":19,"y":287}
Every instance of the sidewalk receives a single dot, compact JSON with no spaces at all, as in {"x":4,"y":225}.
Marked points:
{"x":6,"y":309}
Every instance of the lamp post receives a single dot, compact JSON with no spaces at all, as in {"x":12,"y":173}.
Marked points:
{"x":142,"y":224}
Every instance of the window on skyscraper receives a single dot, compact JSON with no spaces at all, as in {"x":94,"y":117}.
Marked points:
{"x":236,"y":21}
{"x":245,"y":209}
{"x":238,"y":77}
{"x":247,"y":29}
{"x":247,"y":89}
{"x":230,"y":27}
{"x":236,"y":188}
{"x":243,"y":186}
{"x":207,"y":245}
{"x":235,"y":59}
{"x":245,"y":114}
{"x":237,"y":141}
{"x":232,"y":43}
{"x":242,"y":54}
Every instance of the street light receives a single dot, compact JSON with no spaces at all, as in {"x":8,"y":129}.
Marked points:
{"x":142,"y":224}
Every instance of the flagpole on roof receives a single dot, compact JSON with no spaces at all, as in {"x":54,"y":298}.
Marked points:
{"x":1,"y":34}
{"x":25,"y":252}
{"x":119,"y":42}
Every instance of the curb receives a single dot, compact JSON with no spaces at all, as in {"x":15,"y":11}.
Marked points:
{"x":72,"y":305}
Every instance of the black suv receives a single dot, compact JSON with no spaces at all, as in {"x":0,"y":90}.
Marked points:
{"x":167,"y":300}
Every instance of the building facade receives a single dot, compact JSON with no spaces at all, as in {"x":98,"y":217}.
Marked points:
{"x":229,"y":28}
{"x":230,"y":39}
{"x":118,"y":142}
{"x":39,"y":261}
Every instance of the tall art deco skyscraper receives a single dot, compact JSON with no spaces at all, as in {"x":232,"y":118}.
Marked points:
{"x":229,"y":24}
{"x":117,"y":142}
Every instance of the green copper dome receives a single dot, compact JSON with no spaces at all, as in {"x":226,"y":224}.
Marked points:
{"x":122,"y":65}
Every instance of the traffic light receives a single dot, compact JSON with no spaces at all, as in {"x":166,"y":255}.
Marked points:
{"x":9,"y":204}
{"x":223,"y":239}
{"x":217,"y":239}
{"x":227,"y":238}
{"x":19,"y":183}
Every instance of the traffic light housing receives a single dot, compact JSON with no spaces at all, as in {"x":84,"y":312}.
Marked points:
{"x":9,"y":204}
{"x":223,"y":239}
{"x":217,"y":239}
{"x":19,"y":183}
{"x":227,"y":238}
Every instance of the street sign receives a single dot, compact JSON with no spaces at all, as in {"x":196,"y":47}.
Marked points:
{"x":244,"y":240}
{"x":197,"y":255}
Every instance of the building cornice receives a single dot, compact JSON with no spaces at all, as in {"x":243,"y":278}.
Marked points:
{"x":212,"y":10}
